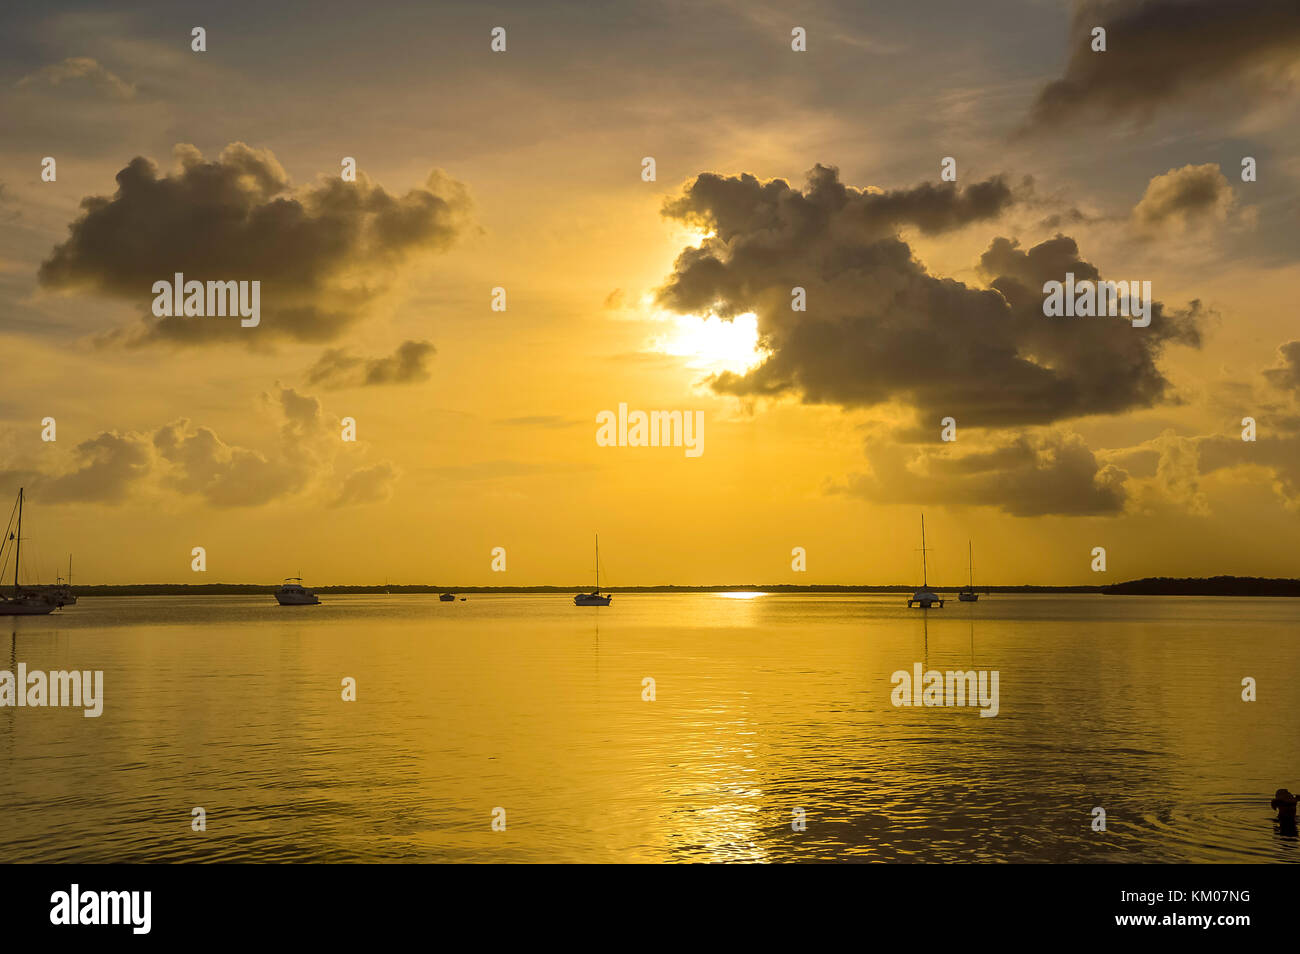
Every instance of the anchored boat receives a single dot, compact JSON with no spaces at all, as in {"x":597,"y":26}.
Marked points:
{"x":594,"y":598}
{"x":30,"y":600}
{"x":924,"y":598}
{"x":293,"y":593}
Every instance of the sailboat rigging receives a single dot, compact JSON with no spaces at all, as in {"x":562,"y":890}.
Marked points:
{"x":967,"y":593}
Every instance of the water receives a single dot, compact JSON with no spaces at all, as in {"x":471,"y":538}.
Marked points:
{"x":763,"y":705}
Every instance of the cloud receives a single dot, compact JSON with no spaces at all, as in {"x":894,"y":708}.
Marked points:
{"x":1161,"y":51}
{"x":79,"y":70}
{"x":742,"y":206}
{"x":193,"y":461}
{"x":1170,"y":470}
{"x":106,"y":467}
{"x":1278,"y":454}
{"x":1286,"y":374}
{"x":1184,"y":197}
{"x":1163,"y":473}
{"x":367,"y":485}
{"x":1026,"y":476}
{"x":338,"y":369}
{"x":225,"y":476}
{"x":880,"y":328}
{"x":324,"y":253}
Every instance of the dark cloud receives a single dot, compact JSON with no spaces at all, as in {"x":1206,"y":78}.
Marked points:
{"x":1070,"y":216}
{"x":1027,"y":476}
{"x":1286,"y":374}
{"x":323,"y":253}
{"x":338,"y":369}
{"x":742,"y":207}
{"x":1184,"y":196}
{"x":1158,"y":51}
{"x":879,"y":327}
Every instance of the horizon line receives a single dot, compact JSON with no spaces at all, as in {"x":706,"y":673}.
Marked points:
{"x":711,"y":587}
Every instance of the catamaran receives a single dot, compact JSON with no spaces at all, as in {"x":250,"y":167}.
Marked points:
{"x":967,"y":593}
{"x":28,"y":601}
{"x":924,"y":598}
{"x":594,"y":598}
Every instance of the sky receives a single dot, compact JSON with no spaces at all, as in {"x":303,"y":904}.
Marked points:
{"x":517,"y":178}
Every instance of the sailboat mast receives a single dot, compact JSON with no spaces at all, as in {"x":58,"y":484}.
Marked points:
{"x":924,"y":580}
{"x":970,"y":564}
{"x":18,"y":540}
{"x":598,"y":563}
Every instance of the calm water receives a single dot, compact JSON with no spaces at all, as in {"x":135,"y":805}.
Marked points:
{"x":763,"y":705}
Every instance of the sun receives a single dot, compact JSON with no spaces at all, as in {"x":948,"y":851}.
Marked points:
{"x":710,"y":343}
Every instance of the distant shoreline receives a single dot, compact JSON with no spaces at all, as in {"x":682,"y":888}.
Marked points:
{"x":1149,"y":586}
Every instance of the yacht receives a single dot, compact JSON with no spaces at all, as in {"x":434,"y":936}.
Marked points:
{"x":924,"y":598}
{"x":594,"y":598}
{"x":448,"y":597}
{"x":29,"y":600}
{"x":293,"y":593}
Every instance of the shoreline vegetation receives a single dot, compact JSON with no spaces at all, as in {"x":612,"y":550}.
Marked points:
{"x":1149,"y":586}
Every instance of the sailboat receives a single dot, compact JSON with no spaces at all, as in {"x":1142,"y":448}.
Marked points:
{"x":967,"y":593}
{"x":30,"y":601}
{"x":925,"y":597}
{"x":594,"y":598}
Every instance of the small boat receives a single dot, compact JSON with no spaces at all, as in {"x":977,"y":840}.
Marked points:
{"x":594,"y":598}
{"x":293,"y":593}
{"x":448,"y":597}
{"x":31,"y":600}
{"x":967,"y":593}
{"x":924,"y":598}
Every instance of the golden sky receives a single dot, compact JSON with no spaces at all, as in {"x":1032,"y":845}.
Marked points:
{"x":522,"y":169}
